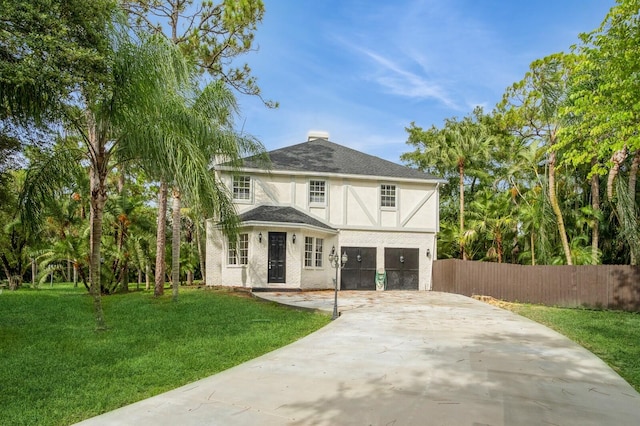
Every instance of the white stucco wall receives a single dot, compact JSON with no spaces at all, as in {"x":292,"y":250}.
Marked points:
{"x":352,"y":207}
{"x":380,"y":240}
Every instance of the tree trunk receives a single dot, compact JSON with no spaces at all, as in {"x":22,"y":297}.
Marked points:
{"x":97,"y":210}
{"x":190,"y":277}
{"x":97,"y":183}
{"x":34,"y":272}
{"x":633,"y":176}
{"x":553,"y":200}
{"x":533,"y":252}
{"x":15,"y":281}
{"x":595,"y":228}
{"x":147,"y":276}
{"x":617,"y":158}
{"x":201,"y":252}
{"x":97,"y":203}
{"x":161,"y":239}
{"x":125,"y":277}
{"x":463,"y":254}
{"x":175,"y":244}
{"x":122,"y":275}
{"x":12,"y":273}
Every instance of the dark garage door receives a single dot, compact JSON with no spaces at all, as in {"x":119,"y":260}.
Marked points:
{"x":402,"y":268}
{"x":360,"y":271}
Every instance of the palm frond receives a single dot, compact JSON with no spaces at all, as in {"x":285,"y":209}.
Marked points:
{"x":44,"y":178}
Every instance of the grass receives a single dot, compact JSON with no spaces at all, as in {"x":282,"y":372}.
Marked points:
{"x":613,"y":336}
{"x":55,"y":369}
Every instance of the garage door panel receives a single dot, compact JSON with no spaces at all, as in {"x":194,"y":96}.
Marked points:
{"x":359,"y":272}
{"x":402,"y":267}
{"x":349,"y":279}
{"x":367,"y":280}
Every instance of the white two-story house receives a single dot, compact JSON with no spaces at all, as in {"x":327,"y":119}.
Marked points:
{"x":320,"y":197}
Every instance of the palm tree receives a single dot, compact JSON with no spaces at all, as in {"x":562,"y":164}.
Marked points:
{"x":464,"y":146}
{"x":531,"y":108}
{"x":208,"y":119}
{"x":491,"y":218}
{"x":143,"y":118}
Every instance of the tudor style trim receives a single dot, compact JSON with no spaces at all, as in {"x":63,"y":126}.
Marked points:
{"x":351,"y":217}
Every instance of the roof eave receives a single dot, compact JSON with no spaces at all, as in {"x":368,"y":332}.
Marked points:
{"x":283,"y":225}
{"x":333,"y":175}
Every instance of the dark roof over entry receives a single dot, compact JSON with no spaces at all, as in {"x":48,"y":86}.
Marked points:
{"x":280,"y":214}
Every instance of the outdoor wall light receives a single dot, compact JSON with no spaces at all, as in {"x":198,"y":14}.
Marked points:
{"x":293,"y":238}
{"x":260,"y":237}
{"x":359,"y":258}
{"x":401,"y":259}
{"x":428,"y":253}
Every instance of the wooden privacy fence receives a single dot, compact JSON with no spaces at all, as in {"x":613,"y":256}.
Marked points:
{"x":599,"y":286}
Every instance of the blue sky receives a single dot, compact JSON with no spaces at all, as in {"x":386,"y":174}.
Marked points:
{"x":363,"y":70}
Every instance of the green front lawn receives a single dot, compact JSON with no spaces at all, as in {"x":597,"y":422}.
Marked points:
{"x":612,"y":335}
{"x":56,"y":370}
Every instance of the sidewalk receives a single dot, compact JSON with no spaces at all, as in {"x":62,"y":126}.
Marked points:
{"x":403,"y":358}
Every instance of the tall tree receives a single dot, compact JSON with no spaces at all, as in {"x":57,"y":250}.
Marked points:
{"x":142,"y":117}
{"x":463,"y":146}
{"x":531,"y":109}
{"x":603,"y":104}
{"x":491,"y":219}
{"x":212,"y":35}
{"x":14,"y":236}
{"x":47,"y":49}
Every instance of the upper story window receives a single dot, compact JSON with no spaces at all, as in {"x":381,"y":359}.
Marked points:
{"x":387,"y":196}
{"x":241,"y":188}
{"x":239,"y":254}
{"x":317,"y":192}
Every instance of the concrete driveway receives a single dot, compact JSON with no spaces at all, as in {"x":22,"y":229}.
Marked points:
{"x":403,"y":358}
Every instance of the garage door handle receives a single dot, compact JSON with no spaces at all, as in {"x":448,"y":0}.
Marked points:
{"x":269,"y":265}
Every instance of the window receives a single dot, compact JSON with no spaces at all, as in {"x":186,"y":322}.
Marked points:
{"x":308,"y":251}
{"x":242,"y":188}
{"x":387,"y":195}
{"x":313,"y":252}
{"x":318,"y":252}
{"x":239,"y":255}
{"x":316,"y":192}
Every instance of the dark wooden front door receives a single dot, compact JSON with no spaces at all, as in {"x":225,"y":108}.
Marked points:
{"x":360,"y":271}
{"x":403,"y":267}
{"x":277,"y":257}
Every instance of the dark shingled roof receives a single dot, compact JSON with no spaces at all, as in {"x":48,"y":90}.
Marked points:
{"x":280,"y":214}
{"x":323,"y":156}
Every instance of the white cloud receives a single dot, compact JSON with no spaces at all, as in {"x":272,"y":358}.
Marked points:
{"x":399,"y":81}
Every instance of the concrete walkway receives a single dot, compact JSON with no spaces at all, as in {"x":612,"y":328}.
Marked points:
{"x":403,"y":358}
